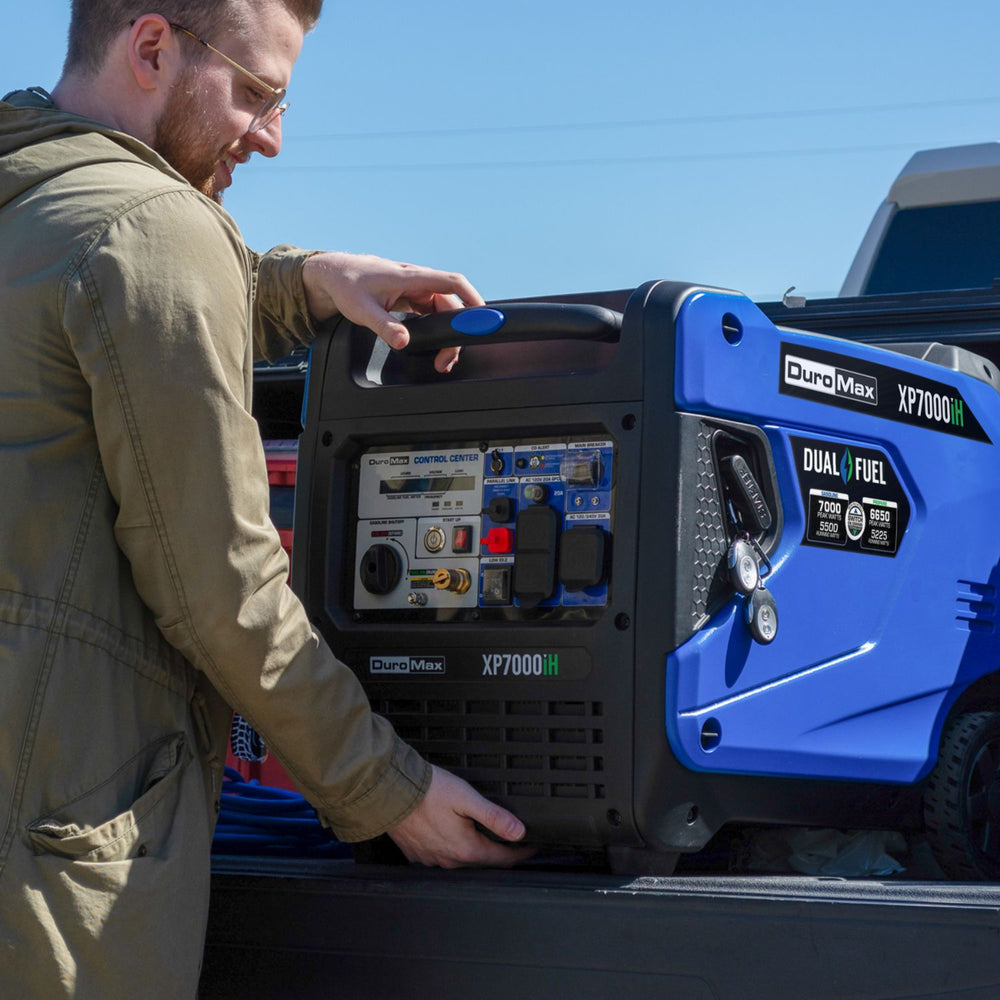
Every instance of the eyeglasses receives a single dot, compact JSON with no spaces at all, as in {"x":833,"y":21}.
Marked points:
{"x":272,"y":106}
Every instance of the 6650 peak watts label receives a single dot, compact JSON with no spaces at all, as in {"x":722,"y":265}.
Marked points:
{"x":854,"y":384}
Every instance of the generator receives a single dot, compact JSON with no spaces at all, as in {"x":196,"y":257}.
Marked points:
{"x":645,"y":564}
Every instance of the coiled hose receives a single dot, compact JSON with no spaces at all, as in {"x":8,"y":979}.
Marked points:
{"x":259,"y":819}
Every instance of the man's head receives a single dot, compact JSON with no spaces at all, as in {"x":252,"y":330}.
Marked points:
{"x":190,"y":80}
{"x":94,"y":24}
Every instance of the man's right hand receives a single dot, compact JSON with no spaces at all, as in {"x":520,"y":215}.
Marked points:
{"x":441,"y":830}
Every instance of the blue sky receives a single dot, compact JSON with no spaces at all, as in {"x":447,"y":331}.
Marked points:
{"x":546,"y":146}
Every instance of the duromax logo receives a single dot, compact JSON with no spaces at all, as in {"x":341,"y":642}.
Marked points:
{"x":406,"y":665}
{"x":815,"y":376}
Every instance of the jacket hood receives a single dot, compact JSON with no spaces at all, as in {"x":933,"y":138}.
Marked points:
{"x":38,"y":141}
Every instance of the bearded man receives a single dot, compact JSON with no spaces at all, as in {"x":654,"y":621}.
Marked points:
{"x":142,"y":585}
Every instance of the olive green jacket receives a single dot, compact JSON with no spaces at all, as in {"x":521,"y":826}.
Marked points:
{"x":142,"y":586}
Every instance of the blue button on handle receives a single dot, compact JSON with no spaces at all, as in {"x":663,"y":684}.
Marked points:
{"x":478,"y":322}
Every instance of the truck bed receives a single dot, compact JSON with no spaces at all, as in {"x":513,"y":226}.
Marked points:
{"x":302,"y":929}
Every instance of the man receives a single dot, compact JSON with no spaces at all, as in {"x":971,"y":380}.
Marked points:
{"x":142,"y":587}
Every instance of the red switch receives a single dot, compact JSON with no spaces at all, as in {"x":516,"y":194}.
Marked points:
{"x":499,"y":541}
{"x":461,"y":538}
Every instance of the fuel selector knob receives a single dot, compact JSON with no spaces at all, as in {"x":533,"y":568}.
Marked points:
{"x":381,"y":569}
{"x":762,"y":616}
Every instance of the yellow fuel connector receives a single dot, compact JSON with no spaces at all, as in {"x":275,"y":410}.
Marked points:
{"x":457,"y":581}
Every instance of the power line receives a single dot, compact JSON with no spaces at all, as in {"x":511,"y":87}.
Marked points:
{"x":594,"y":161}
{"x":648,"y":122}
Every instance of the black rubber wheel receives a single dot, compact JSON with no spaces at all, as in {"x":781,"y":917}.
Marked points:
{"x":962,"y":799}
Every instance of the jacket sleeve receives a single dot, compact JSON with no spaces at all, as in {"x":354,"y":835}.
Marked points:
{"x":281,"y":319}
{"x":158,"y":312}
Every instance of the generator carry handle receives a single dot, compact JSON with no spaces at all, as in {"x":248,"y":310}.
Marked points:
{"x":515,"y":353}
{"x":514,"y":322}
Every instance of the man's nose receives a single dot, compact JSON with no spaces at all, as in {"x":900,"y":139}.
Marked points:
{"x":267,"y":141}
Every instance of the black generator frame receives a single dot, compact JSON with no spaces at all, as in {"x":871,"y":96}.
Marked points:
{"x":640,"y":802}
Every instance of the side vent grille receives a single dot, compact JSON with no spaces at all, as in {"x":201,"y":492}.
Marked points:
{"x":977,"y":606}
{"x":534,"y":748}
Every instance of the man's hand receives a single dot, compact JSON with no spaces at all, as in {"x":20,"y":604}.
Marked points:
{"x":365,"y":289}
{"x":440,"y":830}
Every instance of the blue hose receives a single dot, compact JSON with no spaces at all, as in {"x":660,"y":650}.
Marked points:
{"x":258,"y":819}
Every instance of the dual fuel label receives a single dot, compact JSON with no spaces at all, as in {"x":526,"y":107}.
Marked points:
{"x":852,"y":497}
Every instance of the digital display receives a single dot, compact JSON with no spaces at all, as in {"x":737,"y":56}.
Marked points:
{"x":427,"y":484}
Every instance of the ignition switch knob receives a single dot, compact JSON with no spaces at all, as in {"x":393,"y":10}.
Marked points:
{"x":457,"y":581}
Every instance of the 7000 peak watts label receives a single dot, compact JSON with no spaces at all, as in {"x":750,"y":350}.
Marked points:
{"x":852,"y":497}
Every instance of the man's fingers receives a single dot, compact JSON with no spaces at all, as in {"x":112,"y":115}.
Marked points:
{"x":391,"y":331}
{"x":439,"y":291}
{"x":490,"y":816}
{"x":446,"y":358}
{"x":500,"y":822}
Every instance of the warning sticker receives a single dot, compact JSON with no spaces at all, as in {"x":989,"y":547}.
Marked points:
{"x":852,"y":497}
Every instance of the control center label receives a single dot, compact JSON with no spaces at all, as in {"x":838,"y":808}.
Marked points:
{"x":852,"y":497}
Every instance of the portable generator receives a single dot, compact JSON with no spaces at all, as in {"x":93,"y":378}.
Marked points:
{"x":646,"y":564}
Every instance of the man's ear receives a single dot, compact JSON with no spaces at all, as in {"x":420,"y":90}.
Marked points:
{"x":153,"y":52}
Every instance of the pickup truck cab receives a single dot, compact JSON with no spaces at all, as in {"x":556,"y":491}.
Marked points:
{"x":938,"y":228}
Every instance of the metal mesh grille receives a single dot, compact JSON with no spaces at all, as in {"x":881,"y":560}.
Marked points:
{"x":534,"y":748}
{"x":710,"y":541}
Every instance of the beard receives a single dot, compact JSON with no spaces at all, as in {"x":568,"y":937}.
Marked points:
{"x":184,"y":139}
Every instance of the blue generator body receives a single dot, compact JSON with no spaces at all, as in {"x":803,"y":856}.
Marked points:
{"x":645,"y":565}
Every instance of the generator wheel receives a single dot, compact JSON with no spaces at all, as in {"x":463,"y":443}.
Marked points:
{"x":962,"y":798}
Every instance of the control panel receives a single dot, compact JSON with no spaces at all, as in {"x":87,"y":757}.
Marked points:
{"x":504,"y":524}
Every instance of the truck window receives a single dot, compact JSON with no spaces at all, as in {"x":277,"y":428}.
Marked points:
{"x":938,"y":247}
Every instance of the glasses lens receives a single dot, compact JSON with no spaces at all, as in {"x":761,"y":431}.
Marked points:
{"x":272,"y":108}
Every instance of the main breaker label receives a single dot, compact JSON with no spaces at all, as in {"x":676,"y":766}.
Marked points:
{"x":852,"y":497}
{"x":886,"y":392}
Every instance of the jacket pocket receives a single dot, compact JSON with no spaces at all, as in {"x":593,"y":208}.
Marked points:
{"x":150,"y":782}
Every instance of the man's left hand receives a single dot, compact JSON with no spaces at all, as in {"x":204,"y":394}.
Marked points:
{"x":366,"y":289}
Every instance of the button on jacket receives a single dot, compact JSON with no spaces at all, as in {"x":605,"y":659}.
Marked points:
{"x":142,"y":585}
